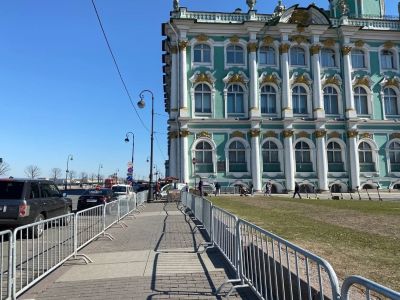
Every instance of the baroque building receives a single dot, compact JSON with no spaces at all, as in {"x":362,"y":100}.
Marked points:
{"x":301,"y":95}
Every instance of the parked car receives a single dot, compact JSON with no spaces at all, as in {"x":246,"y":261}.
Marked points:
{"x":122,"y":189}
{"x":94,"y":197}
{"x":171,"y":186}
{"x":25,"y":201}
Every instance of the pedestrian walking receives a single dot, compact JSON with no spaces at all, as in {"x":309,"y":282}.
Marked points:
{"x":201,"y":187}
{"x":296,"y":190}
{"x":269,"y":188}
{"x":217,"y":189}
{"x":251,"y":188}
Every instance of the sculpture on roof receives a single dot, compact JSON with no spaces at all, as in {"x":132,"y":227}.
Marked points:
{"x":176,"y":5}
{"x":344,"y":8}
{"x":279,"y":9}
{"x":251,"y":4}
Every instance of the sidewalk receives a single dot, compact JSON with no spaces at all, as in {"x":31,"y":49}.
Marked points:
{"x":158,"y":256}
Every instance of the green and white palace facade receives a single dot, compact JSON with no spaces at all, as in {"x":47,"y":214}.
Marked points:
{"x":301,"y":95}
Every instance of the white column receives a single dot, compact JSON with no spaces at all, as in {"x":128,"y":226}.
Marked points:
{"x":254,"y":103}
{"x":354,"y":161}
{"x":348,"y":86}
{"x":290,"y":165}
{"x":173,"y":155}
{"x":317,"y":87}
{"x":174,"y":82}
{"x":184,"y":155}
{"x":287,"y":110}
{"x":322,"y":160}
{"x":183,"y":80}
{"x":255,"y":159}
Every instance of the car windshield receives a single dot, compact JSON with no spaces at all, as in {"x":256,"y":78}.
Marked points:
{"x":11,"y":190}
{"x":95,"y":192}
{"x":119,"y":189}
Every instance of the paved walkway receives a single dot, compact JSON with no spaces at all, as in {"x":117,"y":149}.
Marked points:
{"x":158,"y":256}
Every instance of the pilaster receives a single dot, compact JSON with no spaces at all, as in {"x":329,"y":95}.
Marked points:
{"x":319,"y":111}
{"x":183,"y":79}
{"x":174,"y":83}
{"x":348,"y":86}
{"x":322,"y":160}
{"x":354,"y":160}
{"x":184,"y":155}
{"x":255,"y":158}
{"x":289,"y":159}
{"x":287,"y":111}
{"x":254,"y":103}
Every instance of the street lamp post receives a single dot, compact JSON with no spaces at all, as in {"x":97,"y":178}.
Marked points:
{"x":141,"y":104}
{"x":70,"y":157}
{"x":98,"y":173}
{"x":133,"y":151}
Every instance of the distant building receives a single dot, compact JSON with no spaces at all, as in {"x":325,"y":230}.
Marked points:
{"x":298,"y":95}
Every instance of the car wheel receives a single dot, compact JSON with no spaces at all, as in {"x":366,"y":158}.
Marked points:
{"x":37,"y":230}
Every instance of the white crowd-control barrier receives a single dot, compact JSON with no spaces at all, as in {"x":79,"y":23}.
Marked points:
{"x":32,"y":251}
{"x":271,"y":266}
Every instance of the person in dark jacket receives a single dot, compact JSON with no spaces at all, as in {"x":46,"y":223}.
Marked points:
{"x":296,"y":190}
{"x":201,"y":187}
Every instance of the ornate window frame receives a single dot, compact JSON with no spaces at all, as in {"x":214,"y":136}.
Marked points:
{"x":243,"y":83}
{"x":339,"y":97}
{"x":240,"y":42}
{"x":387,"y":150}
{"x":306,"y":49}
{"x":395,"y":52}
{"x":209,"y":42}
{"x":374,"y":151}
{"x":343,"y":147}
{"x":247,"y":155}
{"x":313,"y":155}
{"x":397,"y":91}
{"x":275,"y":46}
{"x":336,"y":50}
{"x":369,"y":100}
{"x":366,"y":50}
{"x":280,"y":156}
{"x":202,"y":78}
{"x":214,"y":156}
{"x":309,"y":99}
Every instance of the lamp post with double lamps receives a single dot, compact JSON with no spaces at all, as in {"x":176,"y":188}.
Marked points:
{"x":133,"y":150}
{"x":98,"y":173}
{"x":141,"y":104}
{"x":70,"y":157}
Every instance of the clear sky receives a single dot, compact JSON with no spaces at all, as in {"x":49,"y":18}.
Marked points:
{"x":59,"y":90}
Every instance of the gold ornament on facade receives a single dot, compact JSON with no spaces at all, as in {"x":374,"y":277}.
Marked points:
{"x":300,"y":16}
{"x":359,"y":43}
{"x":204,"y":134}
{"x":174,"y":49}
{"x":346,"y":50}
{"x":287,"y":133}
{"x":320,"y":133}
{"x":301,"y":28}
{"x":389,"y":45}
{"x":284,"y":48}
{"x":332,"y":80}
{"x":203,"y":77}
{"x":392,"y":82}
{"x":252,"y":47}
{"x":234,"y":39}
{"x":183,"y":45}
{"x":185,"y":133}
{"x":254,"y":132}
{"x":236,"y":78}
{"x":334,"y":134}
{"x":299,"y":39}
{"x":303,"y":134}
{"x":270,"y":78}
{"x":302,"y":79}
{"x":329,"y":43}
{"x":270,"y":134}
{"x":268,"y":40}
{"x":314,"y":49}
{"x":173,"y":134}
{"x":352,"y":133}
{"x":395,"y":135}
{"x":237,"y":134}
{"x":362,"y":81}
{"x":202,"y":38}
{"x":366,"y":135}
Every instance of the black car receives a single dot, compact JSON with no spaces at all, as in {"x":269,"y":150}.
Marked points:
{"x":93,"y":197}
{"x":25,"y":201}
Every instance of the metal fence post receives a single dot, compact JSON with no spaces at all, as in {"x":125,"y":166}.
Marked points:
{"x":239,"y":250}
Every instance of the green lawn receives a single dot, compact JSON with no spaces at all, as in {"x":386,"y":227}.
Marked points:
{"x":356,"y":237}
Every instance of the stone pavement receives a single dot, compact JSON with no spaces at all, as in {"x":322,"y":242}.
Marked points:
{"x":158,"y":256}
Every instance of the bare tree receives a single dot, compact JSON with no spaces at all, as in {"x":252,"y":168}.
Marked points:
{"x":4,"y":168}
{"x":84,"y":177}
{"x":32,"y":171}
{"x":55,"y":173}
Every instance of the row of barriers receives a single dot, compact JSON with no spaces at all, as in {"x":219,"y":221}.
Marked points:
{"x":273,"y":267}
{"x":31,"y":252}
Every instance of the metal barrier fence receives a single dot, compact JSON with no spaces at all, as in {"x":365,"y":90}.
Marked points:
{"x":39,"y":248}
{"x":271,"y":266}
{"x":89,"y":224}
{"x":6,"y":239}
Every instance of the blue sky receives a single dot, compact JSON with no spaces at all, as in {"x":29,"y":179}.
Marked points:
{"x":60,"y":93}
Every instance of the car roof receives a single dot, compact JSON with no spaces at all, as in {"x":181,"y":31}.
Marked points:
{"x":26,"y":180}
{"x":125,"y":185}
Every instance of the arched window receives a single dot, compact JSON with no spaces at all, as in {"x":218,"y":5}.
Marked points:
{"x":267,"y":56}
{"x":328,"y":58}
{"x":331,"y":101}
{"x":361,"y":100}
{"x":303,"y":157}
{"x":299,"y":100}
{"x":365,"y":157}
{"x":387,"y":59}
{"x":202,"y":53}
{"x":390,"y":99}
{"x":202,"y":96}
{"x":234,"y":54}
{"x":357,"y":58}
{"x":268,"y":100}
{"x":297,"y":56}
{"x":270,"y":154}
{"x":203,"y":155}
{"x":235,"y":107}
{"x":394,"y":156}
{"x":335,"y":161}
{"x":237,"y":157}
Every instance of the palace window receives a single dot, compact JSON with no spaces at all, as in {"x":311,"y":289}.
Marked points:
{"x":335,"y":161}
{"x":390,"y":99}
{"x":235,"y":107}
{"x":234,"y":54}
{"x":299,"y":100}
{"x":204,"y":161}
{"x":357,"y":58}
{"x":270,"y":154}
{"x":297,"y":56}
{"x":366,"y":157}
{"x":267,"y":56}
{"x":303,"y":157}
{"x":202,"y":53}
{"x":237,"y":157}
{"x":394,"y":156}
{"x":328,"y":58}
{"x":268,"y":100}
{"x":202,"y":96}
{"x":387,"y":59}
{"x":331,"y":101}
{"x":361,"y":100}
